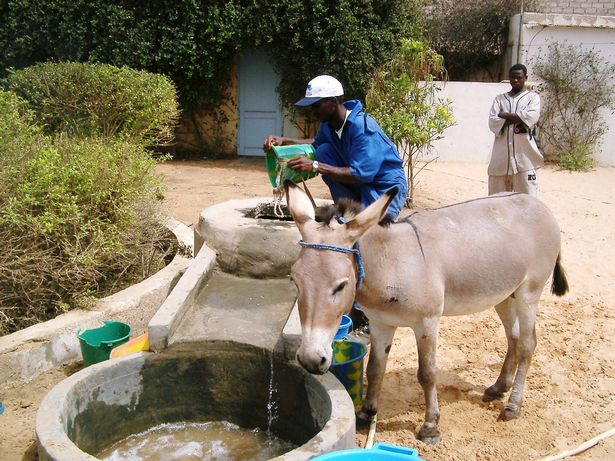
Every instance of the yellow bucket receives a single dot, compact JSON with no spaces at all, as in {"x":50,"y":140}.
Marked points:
{"x":347,"y":366}
{"x":138,"y":344}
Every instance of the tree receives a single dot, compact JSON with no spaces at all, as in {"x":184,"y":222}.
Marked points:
{"x":471,"y":35}
{"x":403,"y":98}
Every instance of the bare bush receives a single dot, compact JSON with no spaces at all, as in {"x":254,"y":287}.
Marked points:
{"x":577,"y":88}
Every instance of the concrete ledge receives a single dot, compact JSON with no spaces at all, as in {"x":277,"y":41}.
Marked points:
{"x":169,"y":316}
{"x":339,"y":431}
{"x":27,"y":353}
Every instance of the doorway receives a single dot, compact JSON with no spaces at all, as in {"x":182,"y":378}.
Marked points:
{"x":259,"y":109}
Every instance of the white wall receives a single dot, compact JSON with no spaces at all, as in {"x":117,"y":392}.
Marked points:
{"x":531,"y":42}
{"x":470,"y":139}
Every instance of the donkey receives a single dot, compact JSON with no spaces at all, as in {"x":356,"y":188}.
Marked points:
{"x":460,"y":259}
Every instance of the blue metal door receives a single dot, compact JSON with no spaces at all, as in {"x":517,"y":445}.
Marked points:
{"x":259,"y":110}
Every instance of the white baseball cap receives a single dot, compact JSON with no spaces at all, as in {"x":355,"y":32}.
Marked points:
{"x":323,"y":86}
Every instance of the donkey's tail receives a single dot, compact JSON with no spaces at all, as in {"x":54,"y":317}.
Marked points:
{"x":559,"y":286}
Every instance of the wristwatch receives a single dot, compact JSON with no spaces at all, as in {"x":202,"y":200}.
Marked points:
{"x":315,"y":166}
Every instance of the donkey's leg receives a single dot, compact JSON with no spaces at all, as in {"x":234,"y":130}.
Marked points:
{"x":426,"y":333}
{"x":381,"y":338}
{"x":526,"y":304}
{"x":508,"y":315}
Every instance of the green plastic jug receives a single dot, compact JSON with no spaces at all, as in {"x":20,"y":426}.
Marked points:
{"x":276,"y":157}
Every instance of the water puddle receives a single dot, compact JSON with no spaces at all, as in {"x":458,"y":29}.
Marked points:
{"x":210,"y":441}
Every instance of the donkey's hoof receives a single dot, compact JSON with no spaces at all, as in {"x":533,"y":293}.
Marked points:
{"x":429,"y":435}
{"x":509,"y":413}
{"x":364,"y":419}
{"x":491,"y":394}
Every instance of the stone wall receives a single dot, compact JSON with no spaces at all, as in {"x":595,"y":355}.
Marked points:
{"x":590,"y":7}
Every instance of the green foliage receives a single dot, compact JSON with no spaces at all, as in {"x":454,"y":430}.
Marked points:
{"x":191,"y":42}
{"x":578,"y":90}
{"x":471,"y":34}
{"x":77,"y":218}
{"x":403,"y":98}
{"x":577,"y":160}
{"x":18,"y":134}
{"x":87,"y":100}
{"x":195,"y":43}
{"x":343,"y":38}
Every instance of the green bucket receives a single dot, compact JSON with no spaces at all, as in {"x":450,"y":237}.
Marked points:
{"x":96,"y":344}
{"x":347,"y":366}
{"x":275,"y":162}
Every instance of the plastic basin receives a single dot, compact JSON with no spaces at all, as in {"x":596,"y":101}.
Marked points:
{"x":379,"y":452}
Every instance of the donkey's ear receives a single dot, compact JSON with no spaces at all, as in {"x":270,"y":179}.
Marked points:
{"x":299,"y":204}
{"x":371,"y":215}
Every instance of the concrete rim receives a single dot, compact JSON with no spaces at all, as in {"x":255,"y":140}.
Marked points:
{"x":54,"y":443}
{"x":26,"y":354}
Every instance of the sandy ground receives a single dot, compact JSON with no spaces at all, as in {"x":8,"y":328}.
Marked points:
{"x":571,"y":385}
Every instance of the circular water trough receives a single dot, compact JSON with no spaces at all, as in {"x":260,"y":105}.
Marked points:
{"x":106,"y":402}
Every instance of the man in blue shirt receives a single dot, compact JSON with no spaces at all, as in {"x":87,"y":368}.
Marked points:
{"x":354,"y":156}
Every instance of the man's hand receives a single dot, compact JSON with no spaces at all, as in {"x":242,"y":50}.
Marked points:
{"x":272,"y":141}
{"x":300,"y":164}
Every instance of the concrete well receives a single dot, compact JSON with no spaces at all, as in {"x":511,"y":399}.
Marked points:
{"x":246,"y":243}
{"x":108,"y":401}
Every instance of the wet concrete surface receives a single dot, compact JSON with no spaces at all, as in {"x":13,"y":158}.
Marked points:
{"x":230,"y":308}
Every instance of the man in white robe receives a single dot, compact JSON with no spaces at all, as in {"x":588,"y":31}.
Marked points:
{"x":515,"y":156}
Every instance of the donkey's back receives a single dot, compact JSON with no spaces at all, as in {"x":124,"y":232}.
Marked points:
{"x":477,"y":253}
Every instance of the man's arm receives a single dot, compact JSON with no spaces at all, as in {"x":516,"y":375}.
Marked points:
{"x":496,"y":123}
{"x":510,"y":117}
{"x":272,"y":140}
{"x":529,"y":113}
{"x":337,"y":173}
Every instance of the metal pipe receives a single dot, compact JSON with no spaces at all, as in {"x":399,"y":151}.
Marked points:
{"x":519,"y":35}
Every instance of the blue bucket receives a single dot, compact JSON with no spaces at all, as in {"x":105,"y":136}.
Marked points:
{"x":344,"y":327}
{"x":347,"y":366}
{"x":379,"y":452}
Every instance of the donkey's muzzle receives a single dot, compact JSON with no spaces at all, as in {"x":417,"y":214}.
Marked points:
{"x":317,"y":365}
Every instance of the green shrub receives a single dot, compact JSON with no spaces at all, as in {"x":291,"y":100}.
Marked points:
{"x":77,"y":218}
{"x":17,"y":132}
{"x":579,"y":159}
{"x":196,"y":43}
{"x":88,"y":100}
{"x":403,"y":98}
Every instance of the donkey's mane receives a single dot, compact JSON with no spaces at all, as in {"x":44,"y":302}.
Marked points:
{"x":347,"y":208}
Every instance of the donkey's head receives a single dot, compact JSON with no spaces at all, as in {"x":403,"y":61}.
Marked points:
{"x":326,"y":272}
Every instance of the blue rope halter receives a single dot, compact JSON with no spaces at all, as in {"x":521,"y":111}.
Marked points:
{"x":355,"y":250}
